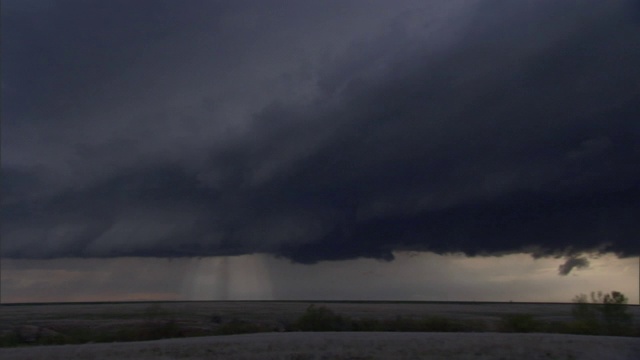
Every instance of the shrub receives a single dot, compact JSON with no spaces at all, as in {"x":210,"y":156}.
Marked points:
{"x":240,"y":327}
{"x":154,"y":312}
{"x":320,"y":318}
{"x":165,"y":330}
{"x":425,"y":324}
{"x":10,"y":338}
{"x":606,"y":314}
{"x":440,"y":324}
{"x":401,"y":324}
{"x":521,"y":323}
{"x":366,"y":325}
{"x":324,"y":319}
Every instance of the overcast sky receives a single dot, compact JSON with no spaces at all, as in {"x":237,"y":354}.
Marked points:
{"x":316,"y":135}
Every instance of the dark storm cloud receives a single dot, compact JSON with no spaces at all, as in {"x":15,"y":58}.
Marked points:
{"x":320,"y":132}
{"x":573,"y":262}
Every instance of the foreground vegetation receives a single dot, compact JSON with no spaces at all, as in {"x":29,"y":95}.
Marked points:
{"x":605,"y":314}
{"x":597,"y":314}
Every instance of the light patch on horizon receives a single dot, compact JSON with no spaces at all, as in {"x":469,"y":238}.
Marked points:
{"x":243,"y":277}
{"x":412,"y":276}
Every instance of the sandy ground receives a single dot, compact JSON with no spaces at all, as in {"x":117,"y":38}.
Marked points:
{"x":300,"y":346}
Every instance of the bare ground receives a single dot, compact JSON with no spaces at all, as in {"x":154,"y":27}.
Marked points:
{"x":299,"y":346}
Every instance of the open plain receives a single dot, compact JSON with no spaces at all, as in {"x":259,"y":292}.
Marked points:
{"x":332,"y":345}
{"x":39,"y":325}
{"x":207,"y":314}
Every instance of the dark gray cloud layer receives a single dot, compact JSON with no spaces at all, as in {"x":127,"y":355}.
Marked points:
{"x":319,"y":130}
{"x":573,"y":262}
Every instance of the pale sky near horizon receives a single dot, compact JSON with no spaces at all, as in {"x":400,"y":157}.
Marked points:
{"x":338,"y":149}
{"x":412,"y":276}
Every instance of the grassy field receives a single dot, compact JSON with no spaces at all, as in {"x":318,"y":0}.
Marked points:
{"x":45,"y":324}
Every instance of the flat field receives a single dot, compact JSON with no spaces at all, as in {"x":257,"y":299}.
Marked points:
{"x":204,"y":313}
{"x":348,"y":345}
{"x":43,"y":324}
